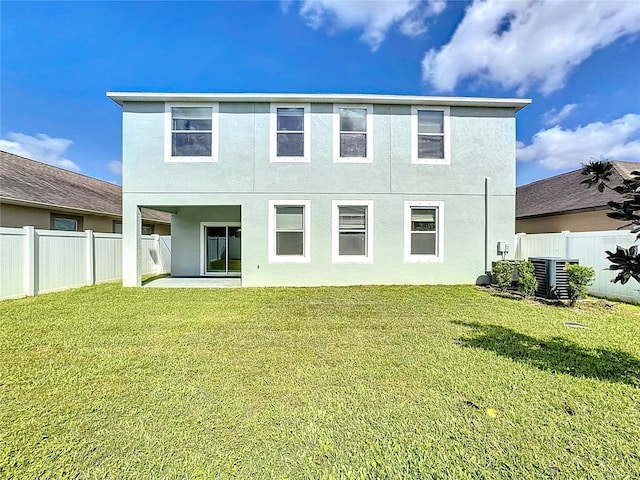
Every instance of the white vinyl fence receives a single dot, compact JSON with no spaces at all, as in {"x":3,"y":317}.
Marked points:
{"x":589,"y":248}
{"x":34,"y":261}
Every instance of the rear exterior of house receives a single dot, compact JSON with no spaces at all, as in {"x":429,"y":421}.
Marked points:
{"x":284,"y":189}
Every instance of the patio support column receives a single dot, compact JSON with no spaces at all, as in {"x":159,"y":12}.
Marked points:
{"x":131,"y":244}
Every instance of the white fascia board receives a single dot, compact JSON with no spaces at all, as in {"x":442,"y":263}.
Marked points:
{"x":517,"y":103}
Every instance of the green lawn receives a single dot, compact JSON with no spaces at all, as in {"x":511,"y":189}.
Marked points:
{"x":362,"y":382}
{"x":235,"y":265}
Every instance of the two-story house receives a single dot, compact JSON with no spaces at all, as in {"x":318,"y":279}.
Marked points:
{"x":320,"y":189}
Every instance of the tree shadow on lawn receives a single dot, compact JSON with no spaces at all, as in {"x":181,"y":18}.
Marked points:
{"x":556,"y":355}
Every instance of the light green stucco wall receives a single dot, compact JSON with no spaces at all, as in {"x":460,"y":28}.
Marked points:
{"x":482,"y":145}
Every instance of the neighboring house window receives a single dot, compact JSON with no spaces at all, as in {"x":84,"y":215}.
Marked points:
{"x":289,"y":231}
{"x":430,"y":135}
{"x":424,"y":231}
{"x":69,"y":223}
{"x":145,"y":230}
{"x":352,"y":231}
{"x":353,"y":138}
{"x":191,"y":133}
{"x":290,"y":133}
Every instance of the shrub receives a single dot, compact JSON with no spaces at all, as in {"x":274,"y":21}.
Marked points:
{"x":527,"y":281}
{"x":503,"y":274}
{"x":579,"y":277}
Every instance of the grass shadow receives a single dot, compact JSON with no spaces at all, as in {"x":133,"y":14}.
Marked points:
{"x":555,"y":355}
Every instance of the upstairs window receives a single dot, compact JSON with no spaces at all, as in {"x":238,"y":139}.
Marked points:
{"x":352,"y":231}
{"x":192,"y":132}
{"x":290,"y":133}
{"x":430,"y":135}
{"x":352,"y":133}
{"x":424,"y":231}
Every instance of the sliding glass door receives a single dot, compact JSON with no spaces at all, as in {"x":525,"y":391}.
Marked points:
{"x":222,"y":247}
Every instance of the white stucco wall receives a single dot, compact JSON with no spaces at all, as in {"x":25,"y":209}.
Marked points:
{"x":482,"y":145}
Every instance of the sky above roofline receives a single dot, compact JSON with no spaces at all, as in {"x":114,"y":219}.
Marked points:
{"x":578,"y":60}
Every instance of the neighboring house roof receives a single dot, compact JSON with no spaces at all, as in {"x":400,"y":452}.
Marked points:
{"x":31,"y":183}
{"x":565,"y":194}
{"x":121,"y":97}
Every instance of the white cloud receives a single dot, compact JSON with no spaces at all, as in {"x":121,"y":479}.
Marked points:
{"x":115,"y":166}
{"x":527,"y":44}
{"x":374,"y":17}
{"x":554,"y":117}
{"x":556,"y":148}
{"x":41,"y":147}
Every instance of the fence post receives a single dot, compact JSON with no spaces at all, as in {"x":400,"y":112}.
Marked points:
{"x":518,"y":248}
{"x":90,"y":255}
{"x":565,"y":243}
{"x":156,"y":260}
{"x":30,"y":261}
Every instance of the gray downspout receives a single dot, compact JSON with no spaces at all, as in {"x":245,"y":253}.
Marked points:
{"x":486,"y":224}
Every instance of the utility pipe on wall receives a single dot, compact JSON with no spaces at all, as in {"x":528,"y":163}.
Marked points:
{"x":486,"y":224}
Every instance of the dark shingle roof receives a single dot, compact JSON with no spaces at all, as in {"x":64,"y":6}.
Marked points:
{"x":27,"y":181}
{"x":564,"y":193}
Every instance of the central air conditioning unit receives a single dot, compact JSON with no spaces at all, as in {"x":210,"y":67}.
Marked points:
{"x":552,"y":276}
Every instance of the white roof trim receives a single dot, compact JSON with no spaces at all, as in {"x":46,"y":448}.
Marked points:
{"x":121,"y":97}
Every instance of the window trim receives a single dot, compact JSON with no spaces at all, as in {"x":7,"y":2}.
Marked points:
{"x":439,"y":256}
{"x":446,"y":132}
{"x":336,"y":134}
{"x":78,"y":219}
{"x":306,"y":256}
{"x":335,"y":231}
{"x":273,"y":133}
{"x":168,"y":157}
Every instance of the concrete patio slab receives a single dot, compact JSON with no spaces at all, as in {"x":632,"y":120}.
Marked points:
{"x":194,"y":282}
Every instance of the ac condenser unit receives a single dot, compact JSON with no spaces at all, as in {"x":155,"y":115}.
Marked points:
{"x":552,"y":276}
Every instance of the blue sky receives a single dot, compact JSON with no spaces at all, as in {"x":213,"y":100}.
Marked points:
{"x":578,"y":60}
